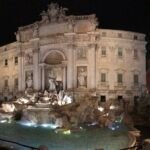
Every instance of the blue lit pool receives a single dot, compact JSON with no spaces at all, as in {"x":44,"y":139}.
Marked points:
{"x":88,"y":139}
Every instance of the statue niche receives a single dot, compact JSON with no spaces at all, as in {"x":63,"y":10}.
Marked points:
{"x":54,"y":58}
{"x":54,"y":72}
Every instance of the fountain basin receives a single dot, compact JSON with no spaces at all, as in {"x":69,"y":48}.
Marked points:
{"x":91,"y":138}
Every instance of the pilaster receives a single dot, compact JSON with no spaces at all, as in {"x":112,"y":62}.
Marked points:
{"x":70,"y":68}
{"x":20,"y":68}
{"x":36,"y":79}
{"x":92,"y":67}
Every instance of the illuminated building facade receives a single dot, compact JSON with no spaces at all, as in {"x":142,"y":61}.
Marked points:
{"x":77,"y":54}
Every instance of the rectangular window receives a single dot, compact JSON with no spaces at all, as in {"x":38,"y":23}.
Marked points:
{"x":5,"y":98}
{"x":135,"y":53}
{"x":6,"y":62}
{"x":103,"y":51}
{"x":120,"y":98}
{"x":16,"y":60}
{"x":5,"y":83}
{"x":16,"y":82}
{"x":136,"y":100}
{"x":103,"y":77}
{"x":136,"y":79}
{"x":120,"y":52}
{"x":120,"y":78}
{"x":103,"y":98}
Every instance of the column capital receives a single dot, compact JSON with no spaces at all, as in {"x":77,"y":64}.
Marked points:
{"x":35,"y":50}
{"x":64,"y":62}
{"x":35,"y":44}
{"x":97,"y":47}
{"x":42,"y":65}
{"x":73,"y":46}
{"x":21,"y":54}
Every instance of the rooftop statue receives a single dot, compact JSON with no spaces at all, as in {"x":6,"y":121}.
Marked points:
{"x":56,"y":13}
{"x":35,"y":30}
{"x":44,"y":16}
{"x":17,"y":34}
{"x":62,"y":14}
{"x":53,"y":10}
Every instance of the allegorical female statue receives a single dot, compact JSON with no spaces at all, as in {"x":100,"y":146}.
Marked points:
{"x":82,"y":75}
{"x":52,"y":81}
{"x":29,"y":81}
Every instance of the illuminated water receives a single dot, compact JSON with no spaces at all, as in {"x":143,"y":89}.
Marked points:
{"x":88,"y":139}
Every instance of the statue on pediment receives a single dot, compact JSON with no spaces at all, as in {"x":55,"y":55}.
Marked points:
{"x":35,"y":30}
{"x":93,"y":20}
{"x":62,"y":14}
{"x":53,"y":10}
{"x":44,"y":16}
{"x":55,"y":13}
{"x":17,"y":34}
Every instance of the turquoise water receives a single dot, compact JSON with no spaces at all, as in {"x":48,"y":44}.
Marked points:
{"x":88,"y":139}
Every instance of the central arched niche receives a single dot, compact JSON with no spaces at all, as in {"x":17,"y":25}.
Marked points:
{"x":54,"y":58}
{"x":54,"y":70}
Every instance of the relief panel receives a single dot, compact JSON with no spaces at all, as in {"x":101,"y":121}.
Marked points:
{"x":28,"y":59}
{"x":81,"y":54}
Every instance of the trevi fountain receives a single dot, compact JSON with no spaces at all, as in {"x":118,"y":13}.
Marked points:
{"x":59,"y":121}
{"x":57,"y":103}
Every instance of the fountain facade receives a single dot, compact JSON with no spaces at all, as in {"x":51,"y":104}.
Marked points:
{"x":70,"y":74}
{"x":73,"y":54}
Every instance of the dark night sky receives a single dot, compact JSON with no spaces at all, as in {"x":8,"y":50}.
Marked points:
{"x":133,"y":15}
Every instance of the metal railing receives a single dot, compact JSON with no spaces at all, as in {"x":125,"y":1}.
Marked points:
{"x":137,"y":147}
{"x":23,"y":145}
